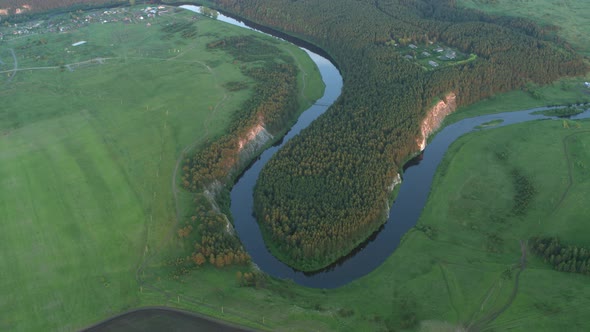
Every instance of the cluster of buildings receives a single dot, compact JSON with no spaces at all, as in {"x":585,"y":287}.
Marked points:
{"x":18,"y":10}
{"x":76,"y":21}
{"x":151,"y":12}
{"x":440,"y":53}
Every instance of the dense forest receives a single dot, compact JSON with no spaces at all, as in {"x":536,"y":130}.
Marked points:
{"x":26,"y":7}
{"x":327,"y":189}
{"x":565,"y":258}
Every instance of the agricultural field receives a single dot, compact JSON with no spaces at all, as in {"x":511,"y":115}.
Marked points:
{"x":91,"y":137}
{"x":571,"y":16}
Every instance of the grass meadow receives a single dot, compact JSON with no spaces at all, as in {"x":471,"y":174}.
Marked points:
{"x":472,"y":210}
{"x":571,"y":16}
{"x":88,"y":150}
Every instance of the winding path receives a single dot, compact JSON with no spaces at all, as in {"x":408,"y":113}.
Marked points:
{"x":569,"y":169}
{"x":194,"y":143}
{"x":15,"y":69}
{"x":481,"y":323}
{"x":302,"y":93}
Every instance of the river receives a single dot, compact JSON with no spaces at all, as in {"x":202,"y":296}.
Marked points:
{"x":405,"y":212}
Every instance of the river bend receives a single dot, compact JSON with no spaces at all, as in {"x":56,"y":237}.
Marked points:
{"x":405,"y":212}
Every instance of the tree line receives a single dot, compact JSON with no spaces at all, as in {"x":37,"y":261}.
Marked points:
{"x":33,"y":8}
{"x":213,"y":243}
{"x":562,"y":257}
{"x":326,"y":190}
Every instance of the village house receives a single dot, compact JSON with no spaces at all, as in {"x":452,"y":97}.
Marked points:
{"x":426,"y":54}
{"x":433,"y":63}
{"x":412,"y":46}
{"x":450,"y":54}
{"x":409,"y":57}
{"x":587,"y":84}
{"x":439,"y":49}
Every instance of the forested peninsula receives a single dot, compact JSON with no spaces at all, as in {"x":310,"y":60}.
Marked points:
{"x":328,"y":189}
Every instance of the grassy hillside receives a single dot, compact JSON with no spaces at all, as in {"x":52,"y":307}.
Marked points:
{"x":89,"y":140}
{"x":571,"y":16}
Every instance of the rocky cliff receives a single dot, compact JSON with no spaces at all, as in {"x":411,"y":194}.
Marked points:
{"x":435,"y":117}
{"x":250,"y":145}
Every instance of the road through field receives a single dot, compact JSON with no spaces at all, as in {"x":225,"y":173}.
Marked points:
{"x":569,"y":169}
{"x":15,"y":69}
{"x":481,"y":323}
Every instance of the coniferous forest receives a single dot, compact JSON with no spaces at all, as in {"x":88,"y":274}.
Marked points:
{"x":565,"y":258}
{"x":327,"y":190}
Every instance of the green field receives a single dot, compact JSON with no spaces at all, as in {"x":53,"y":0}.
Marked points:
{"x":88,"y":149}
{"x":478,"y":222}
{"x":571,"y":16}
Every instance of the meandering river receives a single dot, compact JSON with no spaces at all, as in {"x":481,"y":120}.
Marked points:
{"x":404,"y":213}
{"x":417,"y":179}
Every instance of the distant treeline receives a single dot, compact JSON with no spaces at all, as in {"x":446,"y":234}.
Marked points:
{"x":32,"y":8}
{"x":326,"y":190}
{"x":566,"y":258}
